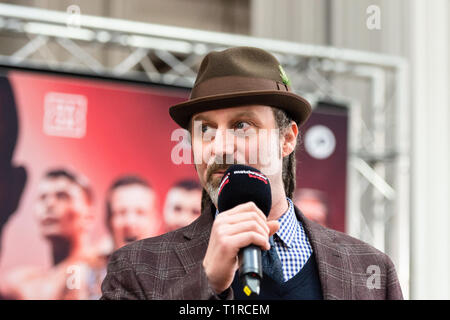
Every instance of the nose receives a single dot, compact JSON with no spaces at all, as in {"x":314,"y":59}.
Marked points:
{"x":131,"y":221}
{"x":49,"y":202}
{"x":130,"y":218}
{"x":224,"y":146}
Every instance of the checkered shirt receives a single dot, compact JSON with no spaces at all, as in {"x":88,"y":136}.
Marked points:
{"x":291,"y":243}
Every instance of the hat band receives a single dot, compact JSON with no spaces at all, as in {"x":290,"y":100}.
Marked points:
{"x":234,"y":84}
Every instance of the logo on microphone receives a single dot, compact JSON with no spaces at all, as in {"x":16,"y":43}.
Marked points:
{"x":253,"y":174}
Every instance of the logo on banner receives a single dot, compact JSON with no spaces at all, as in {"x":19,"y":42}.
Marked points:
{"x":65,"y":115}
{"x":320,"y":142}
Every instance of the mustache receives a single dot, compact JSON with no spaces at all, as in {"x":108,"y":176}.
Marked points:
{"x":220,"y":164}
{"x":216,"y":167}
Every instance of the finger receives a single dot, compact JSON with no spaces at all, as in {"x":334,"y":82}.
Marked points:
{"x":244,"y":239}
{"x":273,"y":225}
{"x":246,"y":216}
{"x":247,"y":226}
{"x":248,"y":206}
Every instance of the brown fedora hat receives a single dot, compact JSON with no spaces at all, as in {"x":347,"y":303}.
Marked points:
{"x":240,"y":76}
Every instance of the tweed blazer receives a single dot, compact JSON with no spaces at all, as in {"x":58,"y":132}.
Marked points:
{"x":170,"y":266}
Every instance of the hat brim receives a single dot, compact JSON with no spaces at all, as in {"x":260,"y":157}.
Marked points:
{"x":297,"y":107}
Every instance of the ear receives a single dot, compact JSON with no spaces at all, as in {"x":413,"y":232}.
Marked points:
{"x":289,"y":139}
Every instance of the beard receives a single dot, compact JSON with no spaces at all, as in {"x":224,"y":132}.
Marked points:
{"x":212,"y":188}
{"x":213,"y":182}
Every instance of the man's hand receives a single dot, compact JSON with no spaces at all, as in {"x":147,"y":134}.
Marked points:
{"x":232,"y":230}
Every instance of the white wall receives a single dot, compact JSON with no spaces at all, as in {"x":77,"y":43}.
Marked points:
{"x":431,"y":159}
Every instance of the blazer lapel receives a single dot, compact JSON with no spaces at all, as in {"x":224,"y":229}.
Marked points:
{"x":332,"y":261}
{"x":196,"y":237}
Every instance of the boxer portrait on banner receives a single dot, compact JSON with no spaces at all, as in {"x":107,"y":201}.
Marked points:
{"x":63,"y":213}
{"x":131,"y":210}
{"x":183,"y":204}
{"x":240,"y":95}
{"x":12,"y":177}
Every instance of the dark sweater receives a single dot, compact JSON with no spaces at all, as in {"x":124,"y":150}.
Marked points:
{"x":305,"y":285}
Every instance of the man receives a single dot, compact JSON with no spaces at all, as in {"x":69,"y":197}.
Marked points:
{"x":12,"y":177}
{"x":313,"y":203}
{"x":63,"y":212}
{"x":239,"y":95}
{"x":131,"y":210}
{"x":183,"y":204}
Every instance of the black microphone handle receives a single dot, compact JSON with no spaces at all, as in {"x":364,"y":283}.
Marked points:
{"x":250,"y":269}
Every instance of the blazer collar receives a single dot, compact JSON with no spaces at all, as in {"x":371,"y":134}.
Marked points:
{"x":201,"y":228}
{"x":196,"y":237}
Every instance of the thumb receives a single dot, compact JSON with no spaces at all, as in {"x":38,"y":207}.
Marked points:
{"x":273,"y":227}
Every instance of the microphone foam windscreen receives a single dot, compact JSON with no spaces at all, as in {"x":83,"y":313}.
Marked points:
{"x":241,"y":184}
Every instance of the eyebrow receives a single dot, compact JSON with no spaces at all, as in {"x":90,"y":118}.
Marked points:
{"x":250,"y":114}
{"x":200,"y":117}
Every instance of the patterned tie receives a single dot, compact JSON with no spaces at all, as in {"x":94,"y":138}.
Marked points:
{"x":271,"y":263}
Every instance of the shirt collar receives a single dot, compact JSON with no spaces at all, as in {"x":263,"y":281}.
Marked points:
{"x":288,"y":225}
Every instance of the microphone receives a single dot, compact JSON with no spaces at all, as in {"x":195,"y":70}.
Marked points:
{"x":241,"y":184}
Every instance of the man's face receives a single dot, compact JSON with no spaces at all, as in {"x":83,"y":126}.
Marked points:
{"x":182,"y":207}
{"x":244,"y":135}
{"x":62,"y":208}
{"x":133,"y":213}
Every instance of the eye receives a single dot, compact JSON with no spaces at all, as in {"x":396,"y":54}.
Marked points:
{"x":241,"y":127}
{"x":208,"y":132}
{"x":62,"y":195}
{"x":204,"y":128}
